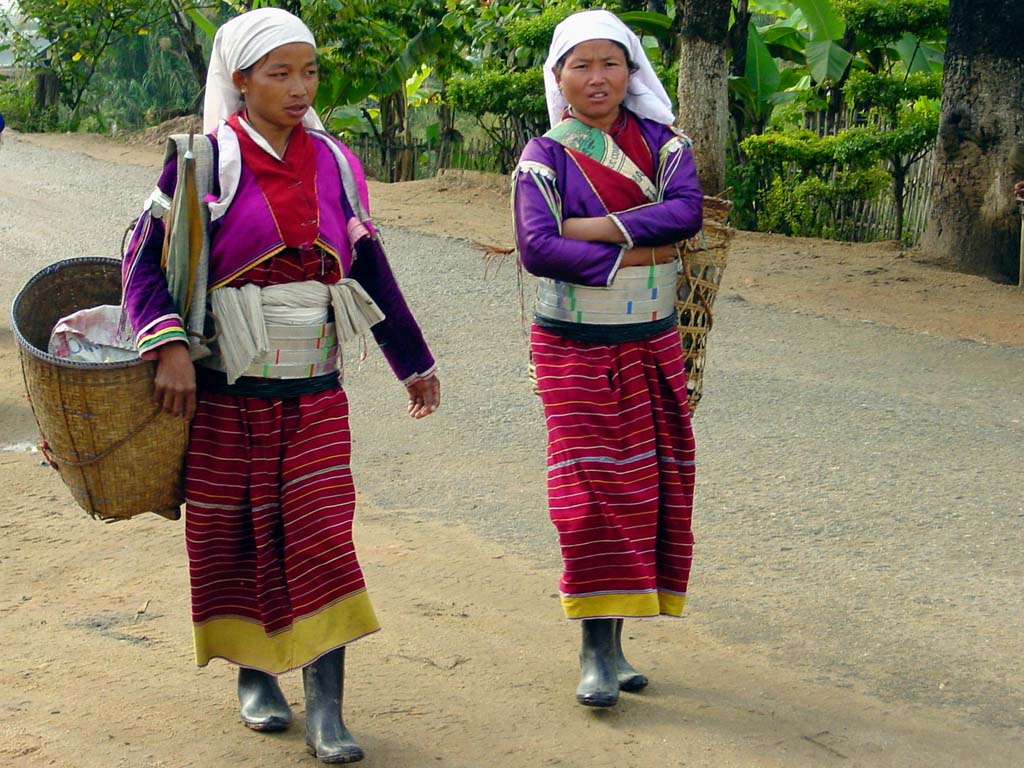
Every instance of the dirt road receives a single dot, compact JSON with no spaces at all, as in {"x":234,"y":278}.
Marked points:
{"x":857,"y":594}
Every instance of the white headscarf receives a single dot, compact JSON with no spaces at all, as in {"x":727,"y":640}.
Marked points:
{"x":645,"y":95}
{"x":240,"y":43}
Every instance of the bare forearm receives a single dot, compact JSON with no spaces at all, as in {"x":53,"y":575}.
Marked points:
{"x":596,"y":229}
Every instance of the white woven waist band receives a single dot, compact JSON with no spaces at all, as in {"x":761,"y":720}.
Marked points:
{"x":278,"y":332}
{"x":293,"y":352}
{"x":636,"y":295}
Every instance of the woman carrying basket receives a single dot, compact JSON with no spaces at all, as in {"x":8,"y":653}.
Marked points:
{"x":601,"y":203}
{"x":294,"y":263}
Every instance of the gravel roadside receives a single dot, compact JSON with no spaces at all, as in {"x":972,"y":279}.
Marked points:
{"x":860,"y":508}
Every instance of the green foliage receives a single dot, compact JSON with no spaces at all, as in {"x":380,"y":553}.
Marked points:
{"x":808,"y":207}
{"x":80,"y":34}
{"x":372,"y":47}
{"x":142,"y":80}
{"x":796,"y":182}
{"x":18,"y":105}
{"x":775,"y":150}
{"x":886,"y":21}
{"x":529,"y":37}
{"x":912,"y":134}
{"x":493,"y":92}
{"x":800,"y":181}
{"x":484,"y":27}
{"x":888,"y":93}
{"x":822,"y":22}
{"x":744,"y":181}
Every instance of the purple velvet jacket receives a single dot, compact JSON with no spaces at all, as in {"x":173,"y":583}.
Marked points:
{"x":548,"y":187}
{"x":245,"y":235}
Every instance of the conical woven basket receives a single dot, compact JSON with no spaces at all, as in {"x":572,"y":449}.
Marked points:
{"x":704,"y":261}
{"x":115,"y":450}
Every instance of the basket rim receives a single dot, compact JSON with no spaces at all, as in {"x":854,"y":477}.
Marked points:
{"x":46,"y":357}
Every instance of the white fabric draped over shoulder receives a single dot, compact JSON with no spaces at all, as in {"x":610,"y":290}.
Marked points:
{"x":239,"y":44}
{"x":645,"y":96}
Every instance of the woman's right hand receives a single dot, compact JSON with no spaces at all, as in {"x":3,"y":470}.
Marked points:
{"x":644,"y":256}
{"x":174,"y":386}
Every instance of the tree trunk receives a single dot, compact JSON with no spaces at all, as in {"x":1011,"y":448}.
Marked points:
{"x":703,"y":85}
{"x":47,"y":87}
{"x":973,"y":221}
{"x":191,"y":48}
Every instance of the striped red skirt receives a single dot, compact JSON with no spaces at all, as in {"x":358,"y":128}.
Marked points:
{"x":269,"y":507}
{"x":620,"y":472}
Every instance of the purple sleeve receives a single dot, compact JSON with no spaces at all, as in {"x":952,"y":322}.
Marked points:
{"x":537,"y":213}
{"x":678,"y":215}
{"x":150,"y":308}
{"x":398,"y":334}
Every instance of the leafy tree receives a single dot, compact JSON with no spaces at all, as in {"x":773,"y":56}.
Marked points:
{"x":371,"y":48}
{"x":514,"y":102}
{"x":116,"y":58}
{"x":505,"y":91}
{"x":81,"y":32}
{"x":906,"y":112}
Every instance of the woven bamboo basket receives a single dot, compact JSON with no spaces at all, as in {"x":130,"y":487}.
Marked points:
{"x":704,"y":261}
{"x":116,"y":451}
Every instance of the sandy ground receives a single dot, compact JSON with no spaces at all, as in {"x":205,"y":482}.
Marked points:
{"x":474,"y":667}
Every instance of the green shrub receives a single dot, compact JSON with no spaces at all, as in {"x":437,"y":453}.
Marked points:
{"x":18,"y":104}
{"x":499,"y":92}
{"x":798,"y":183}
{"x":811,"y":207}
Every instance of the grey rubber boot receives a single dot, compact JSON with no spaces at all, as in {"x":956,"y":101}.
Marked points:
{"x":262,"y":706}
{"x":629,"y":679}
{"x":326,"y":734}
{"x":599,"y":686}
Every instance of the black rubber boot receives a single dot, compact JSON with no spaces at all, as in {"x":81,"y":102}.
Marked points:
{"x":599,"y":685}
{"x":629,"y":679}
{"x":326,"y":734}
{"x":262,"y":706}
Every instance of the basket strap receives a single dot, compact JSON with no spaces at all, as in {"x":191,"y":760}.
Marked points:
{"x":56,"y":459}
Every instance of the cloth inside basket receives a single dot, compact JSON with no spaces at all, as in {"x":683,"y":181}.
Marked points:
{"x":94,"y":335}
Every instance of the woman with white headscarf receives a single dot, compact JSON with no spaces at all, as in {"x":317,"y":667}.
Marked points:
{"x":601,"y":203}
{"x":295,"y":264}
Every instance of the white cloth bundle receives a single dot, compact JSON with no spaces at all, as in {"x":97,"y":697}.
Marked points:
{"x":244,"y":313}
{"x":94,"y":335}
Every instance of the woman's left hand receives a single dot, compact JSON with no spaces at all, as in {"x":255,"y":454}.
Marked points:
{"x":424,"y":396}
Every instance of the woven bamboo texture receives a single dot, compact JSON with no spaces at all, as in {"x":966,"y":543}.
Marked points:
{"x":119,"y":455}
{"x":704,"y":260}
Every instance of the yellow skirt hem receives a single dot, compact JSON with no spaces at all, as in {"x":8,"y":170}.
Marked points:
{"x":246,"y":644}
{"x":624,"y":606}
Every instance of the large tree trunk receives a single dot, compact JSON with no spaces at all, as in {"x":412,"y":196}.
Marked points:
{"x":973,"y":221}
{"x":703,"y":85}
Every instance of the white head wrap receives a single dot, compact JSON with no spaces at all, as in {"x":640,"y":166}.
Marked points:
{"x":240,"y":43}
{"x":645,"y":95}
